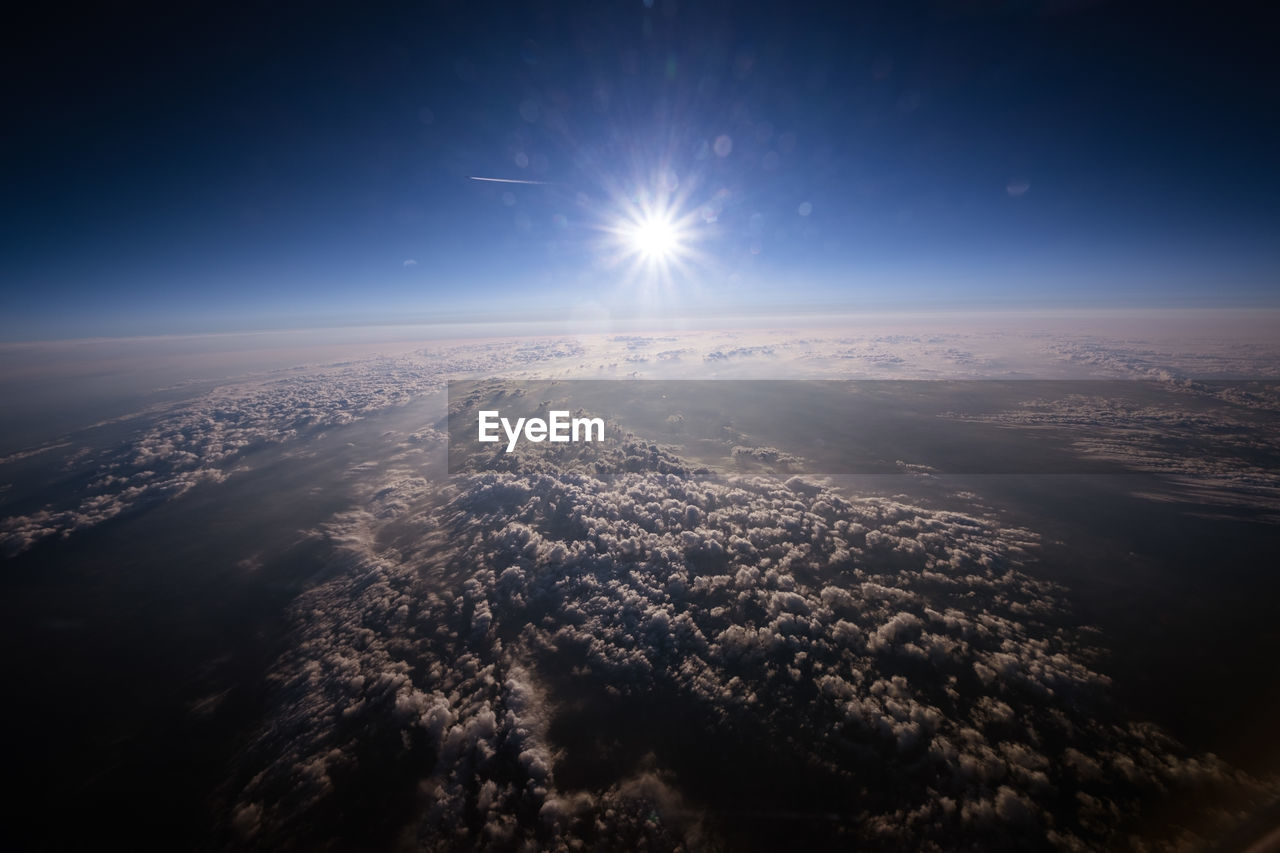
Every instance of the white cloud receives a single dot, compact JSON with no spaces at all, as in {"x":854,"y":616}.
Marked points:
{"x":850,"y":636}
{"x":778,"y":621}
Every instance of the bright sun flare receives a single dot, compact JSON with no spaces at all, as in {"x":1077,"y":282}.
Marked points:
{"x":654,"y":239}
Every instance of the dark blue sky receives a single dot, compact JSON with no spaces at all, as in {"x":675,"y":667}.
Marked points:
{"x":216,"y":167}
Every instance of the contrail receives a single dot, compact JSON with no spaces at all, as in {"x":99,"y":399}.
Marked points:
{"x":504,"y":180}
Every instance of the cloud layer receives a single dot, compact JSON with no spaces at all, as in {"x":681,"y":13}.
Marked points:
{"x":205,"y":439}
{"x":645,"y":656}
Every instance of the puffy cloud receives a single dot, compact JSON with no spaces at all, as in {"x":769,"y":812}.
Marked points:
{"x":568,"y":656}
{"x":632,"y":654}
{"x":206,"y":439}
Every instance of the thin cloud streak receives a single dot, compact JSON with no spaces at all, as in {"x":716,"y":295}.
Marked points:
{"x":504,"y":180}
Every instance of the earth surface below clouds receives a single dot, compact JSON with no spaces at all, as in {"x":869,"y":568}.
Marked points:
{"x":259,"y":612}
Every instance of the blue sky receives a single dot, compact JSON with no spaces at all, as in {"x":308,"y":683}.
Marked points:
{"x":230,"y":168}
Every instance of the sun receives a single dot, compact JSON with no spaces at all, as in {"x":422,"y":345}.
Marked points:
{"x":651,"y":239}
{"x":655,"y":238}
